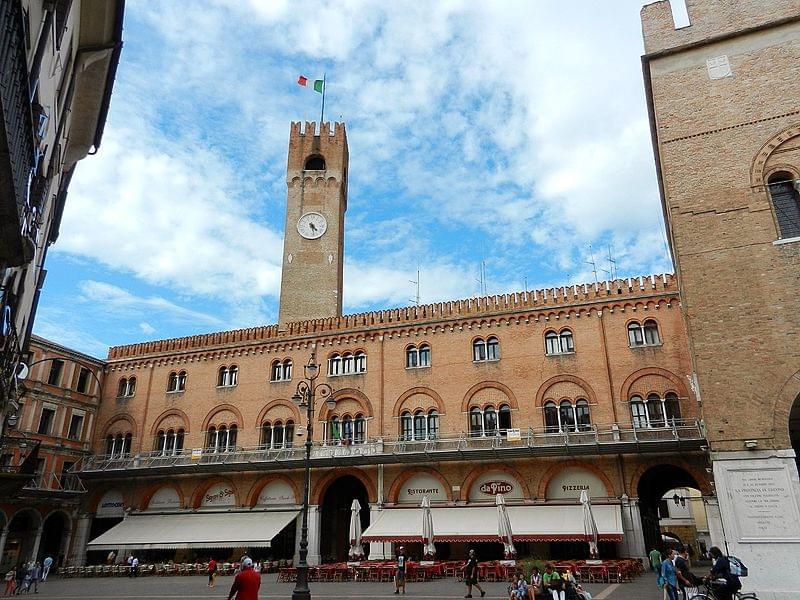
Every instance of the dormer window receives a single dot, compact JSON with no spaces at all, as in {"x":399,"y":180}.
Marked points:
{"x":315,"y":162}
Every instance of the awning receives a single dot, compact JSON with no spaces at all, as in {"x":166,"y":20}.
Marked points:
{"x":479,"y":524}
{"x":194,"y":530}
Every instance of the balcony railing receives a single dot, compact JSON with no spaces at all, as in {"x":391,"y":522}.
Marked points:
{"x":597,"y":439}
{"x":64,"y":483}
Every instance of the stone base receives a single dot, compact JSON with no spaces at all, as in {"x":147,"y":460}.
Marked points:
{"x":758,"y":494}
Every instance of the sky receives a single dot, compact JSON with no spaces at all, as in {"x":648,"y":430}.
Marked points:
{"x":512,"y":135}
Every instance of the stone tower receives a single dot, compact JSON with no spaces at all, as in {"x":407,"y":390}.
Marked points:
{"x":313,"y":246}
{"x":725,"y":122}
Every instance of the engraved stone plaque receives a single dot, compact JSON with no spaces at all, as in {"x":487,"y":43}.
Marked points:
{"x":718,"y":67}
{"x":764,"y":505}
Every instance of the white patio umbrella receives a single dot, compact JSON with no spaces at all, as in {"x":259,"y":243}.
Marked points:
{"x":504,"y":527}
{"x":356,"y":551}
{"x":428,"y":547}
{"x":589,"y":525}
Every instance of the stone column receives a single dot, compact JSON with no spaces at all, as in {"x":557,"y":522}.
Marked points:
{"x":633,"y":535}
{"x":81,"y":538}
{"x":714,"y":519}
{"x":378,"y":550}
{"x":36,"y":542}
{"x":3,"y":539}
{"x":314,"y":520}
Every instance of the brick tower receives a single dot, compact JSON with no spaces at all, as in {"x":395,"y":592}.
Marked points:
{"x":313,"y":246}
{"x":725,"y":120}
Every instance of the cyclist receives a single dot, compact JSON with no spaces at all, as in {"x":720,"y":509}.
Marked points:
{"x":724,"y":583}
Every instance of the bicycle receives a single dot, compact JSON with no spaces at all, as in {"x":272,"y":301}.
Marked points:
{"x":709,"y":594}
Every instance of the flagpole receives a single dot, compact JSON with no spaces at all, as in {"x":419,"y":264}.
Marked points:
{"x":322,"y":112}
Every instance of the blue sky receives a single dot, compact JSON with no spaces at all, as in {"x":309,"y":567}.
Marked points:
{"x":510,"y":132}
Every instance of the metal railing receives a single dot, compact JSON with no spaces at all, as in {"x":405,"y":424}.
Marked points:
{"x":54,"y":482}
{"x":533,"y":441}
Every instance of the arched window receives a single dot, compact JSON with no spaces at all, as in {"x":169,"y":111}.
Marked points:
{"x":566,"y":416}
{"x":672,"y":408}
{"x":475,"y":421}
{"x":412,"y":357}
{"x":172,"y":382}
{"x":433,"y":424}
{"x":582,"y":416}
{"x":181,"y":381}
{"x":110,"y":445}
{"x":122,"y":388}
{"x":478,"y":350}
{"x":277,"y":435}
{"x":315,"y":162}
{"x":222,"y":439}
{"x":551,"y":423}
{"x":211,"y":441}
{"x":266,"y":436}
{"x":635,"y":334}
{"x":126,"y":444}
{"x":420,"y":424}
{"x":287,"y":369}
{"x":566,"y":341}
{"x":492,"y":349}
{"x":783,"y":191}
{"x":655,"y":411}
{"x":232,"y":434}
{"x":222,"y":376}
{"x":638,"y":412}
{"x":335,"y":429}
{"x":347,"y":429}
{"x":359,"y":429}
{"x":406,"y":426}
{"x":281,"y":370}
{"x":161,"y":440}
{"x":288,"y":434}
{"x":169,"y":445}
{"x":424,"y":355}
{"x":504,"y":420}
{"x":131,"y":391}
{"x":227,"y":376}
{"x":551,"y":345}
{"x":348,"y":363}
{"x":489,"y":421}
{"x":360,"y":362}
{"x":335,"y":365}
{"x":651,"y":337}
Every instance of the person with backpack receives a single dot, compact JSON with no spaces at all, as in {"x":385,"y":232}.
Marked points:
{"x":724,"y":582}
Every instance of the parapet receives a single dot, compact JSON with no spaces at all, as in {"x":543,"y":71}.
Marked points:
{"x":595,"y":295}
{"x":305,"y":141}
{"x":710,"y":19}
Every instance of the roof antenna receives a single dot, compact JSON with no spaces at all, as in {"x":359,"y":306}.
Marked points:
{"x":612,"y":266}
{"x":415,"y":300}
{"x":591,"y":262}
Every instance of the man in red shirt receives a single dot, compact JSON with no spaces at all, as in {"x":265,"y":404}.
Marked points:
{"x":246,"y":583}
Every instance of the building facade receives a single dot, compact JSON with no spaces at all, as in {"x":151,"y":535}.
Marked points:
{"x":58,"y":407}
{"x":58,"y":64}
{"x":536,"y":395}
{"x":726,"y":133}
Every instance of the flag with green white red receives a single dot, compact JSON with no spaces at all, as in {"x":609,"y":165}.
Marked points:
{"x":317,"y":85}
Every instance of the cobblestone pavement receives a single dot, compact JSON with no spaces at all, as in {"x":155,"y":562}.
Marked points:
{"x":156,"y":588}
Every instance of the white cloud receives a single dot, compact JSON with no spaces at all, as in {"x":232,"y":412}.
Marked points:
{"x":146,"y":328}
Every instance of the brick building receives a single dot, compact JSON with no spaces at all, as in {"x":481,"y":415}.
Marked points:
{"x":726,"y":133}
{"x":57,"y":412}
{"x":537,"y":395}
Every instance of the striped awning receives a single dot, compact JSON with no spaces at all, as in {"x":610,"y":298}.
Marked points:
{"x":479,"y":524}
{"x":194,"y":530}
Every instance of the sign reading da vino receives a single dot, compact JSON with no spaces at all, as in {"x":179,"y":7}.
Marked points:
{"x":494,"y":483}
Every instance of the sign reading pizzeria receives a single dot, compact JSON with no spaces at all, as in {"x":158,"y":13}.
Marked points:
{"x":569,"y":483}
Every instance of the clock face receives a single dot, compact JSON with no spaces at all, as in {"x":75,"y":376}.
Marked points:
{"x":312,"y":226}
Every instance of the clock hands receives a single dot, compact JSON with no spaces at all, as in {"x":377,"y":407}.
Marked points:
{"x":313,"y":227}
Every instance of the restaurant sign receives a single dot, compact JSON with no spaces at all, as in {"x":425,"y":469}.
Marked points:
{"x":111,"y":505}
{"x":219,"y":495}
{"x":276,"y":493}
{"x":165,"y":498}
{"x":492,"y":484}
{"x":421,"y":485}
{"x":569,"y":483}
{"x":493,"y":488}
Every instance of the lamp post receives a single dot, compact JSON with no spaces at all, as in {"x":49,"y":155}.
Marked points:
{"x":304,"y":397}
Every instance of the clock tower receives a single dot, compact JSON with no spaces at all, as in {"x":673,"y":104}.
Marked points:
{"x":313,"y":243}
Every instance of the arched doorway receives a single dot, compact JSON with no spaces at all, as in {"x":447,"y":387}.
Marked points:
{"x":335,"y":509}
{"x":794,"y":429}
{"x":55,"y":532}
{"x":22,"y":536}
{"x":658,"y":487}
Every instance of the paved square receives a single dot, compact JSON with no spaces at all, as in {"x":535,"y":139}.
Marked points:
{"x":157,"y":588}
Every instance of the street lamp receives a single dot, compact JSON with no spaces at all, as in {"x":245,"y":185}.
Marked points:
{"x":304,"y":397}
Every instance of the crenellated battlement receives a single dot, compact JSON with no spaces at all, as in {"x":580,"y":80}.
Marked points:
{"x":709,"y":19}
{"x":306,"y":141}
{"x":542,"y":299}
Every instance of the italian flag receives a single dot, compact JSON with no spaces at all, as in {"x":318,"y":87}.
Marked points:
{"x":316,"y":85}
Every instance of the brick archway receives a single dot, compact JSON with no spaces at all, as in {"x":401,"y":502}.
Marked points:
{"x":676,"y":381}
{"x":116,"y":419}
{"x":554,"y":469}
{"x":97,"y":495}
{"x":757,"y":175}
{"x":345,"y":394}
{"x":565,"y":379}
{"x":702,"y":480}
{"x":466,"y":487}
{"x":260,"y":484}
{"x":782,"y":409}
{"x":512,"y":399}
{"x":172,"y":412}
{"x":322,"y":485}
{"x":220,"y":408}
{"x":419,"y":390}
{"x":290,"y":405}
{"x":400,"y":481}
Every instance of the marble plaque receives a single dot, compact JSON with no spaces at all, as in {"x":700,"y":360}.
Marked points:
{"x":764,"y":505}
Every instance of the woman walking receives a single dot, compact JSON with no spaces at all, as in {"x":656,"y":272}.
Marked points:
{"x":471,"y":575}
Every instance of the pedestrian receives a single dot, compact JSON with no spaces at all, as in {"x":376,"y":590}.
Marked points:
{"x":655,"y":561}
{"x":669,"y":576}
{"x":553,"y":583}
{"x":721,"y":570}
{"x":11,"y":581}
{"x":246,"y":583}
{"x":471,"y":575}
{"x":135,"y":566}
{"x":21,"y":570}
{"x":48,"y":562}
{"x":112,"y":556}
{"x":36,"y":575}
{"x":212,"y":572}
{"x":400,"y":572}
{"x":27,"y":578}
{"x":129,"y":562}
{"x":686,"y":579}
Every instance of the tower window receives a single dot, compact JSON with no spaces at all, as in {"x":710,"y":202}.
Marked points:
{"x":785,"y":198}
{"x":315,"y":163}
